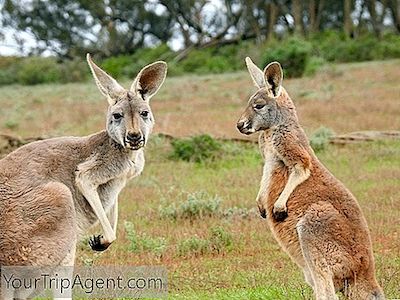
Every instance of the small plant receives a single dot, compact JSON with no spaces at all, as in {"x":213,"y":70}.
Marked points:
{"x":11,"y":124}
{"x":240,"y":212}
{"x":293,"y":54}
{"x":35,"y":70}
{"x":143,"y":243}
{"x":220,"y":240}
{"x":196,"y":149}
{"x":197,"y":205}
{"x":320,"y":138}
{"x":194,"y":246}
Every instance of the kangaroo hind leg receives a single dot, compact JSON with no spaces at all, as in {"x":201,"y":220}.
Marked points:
{"x":319,"y":233}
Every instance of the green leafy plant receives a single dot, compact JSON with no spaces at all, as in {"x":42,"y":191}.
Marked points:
{"x":198,"y":149}
{"x":218,"y":241}
{"x":293,"y":54}
{"x":320,"y":138}
{"x":196,"y":205}
{"x":35,"y":70}
{"x":143,"y":243}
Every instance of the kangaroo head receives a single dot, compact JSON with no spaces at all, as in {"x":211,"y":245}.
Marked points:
{"x":262,"y":111}
{"x":129,"y":117}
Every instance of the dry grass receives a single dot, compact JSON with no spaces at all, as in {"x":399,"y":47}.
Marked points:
{"x":345,"y":98}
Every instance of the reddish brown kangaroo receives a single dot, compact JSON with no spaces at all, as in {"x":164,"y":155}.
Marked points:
{"x":313,"y":216}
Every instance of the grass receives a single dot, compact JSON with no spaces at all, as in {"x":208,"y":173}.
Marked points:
{"x":250,"y":264}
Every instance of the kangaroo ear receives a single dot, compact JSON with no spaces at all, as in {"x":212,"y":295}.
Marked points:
{"x":150,"y":79}
{"x":273,"y":76}
{"x":255,"y":72}
{"x":107,"y":85}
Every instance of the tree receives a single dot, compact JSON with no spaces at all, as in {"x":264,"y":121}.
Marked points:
{"x":71,"y":27}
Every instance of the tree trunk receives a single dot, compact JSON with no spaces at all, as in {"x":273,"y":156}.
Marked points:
{"x":272,"y":16}
{"x":313,"y":15}
{"x":371,"y":5}
{"x":297,"y":16}
{"x":348,"y":23}
{"x":394,"y":7}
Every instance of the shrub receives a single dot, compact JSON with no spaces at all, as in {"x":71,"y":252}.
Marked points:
{"x":196,"y":149}
{"x":8,"y":69}
{"x":115,"y":65}
{"x":145,"y":56}
{"x":193,"y":246}
{"x":293,"y":54}
{"x":35,"y":70}
{"x":240,"y":212}
{"x":334,"y":46}
{"x":314,"y":64}
{"x":197,"y":205}
{"x":320,"y":138}
{"x":75,"y":70}
{"x":218,"y":241}
{"x":143,"y":243}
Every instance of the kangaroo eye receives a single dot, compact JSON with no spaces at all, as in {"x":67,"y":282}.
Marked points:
{"x":259,"y":106}
{"x":144,"y":114}
{"x":117,"y":116}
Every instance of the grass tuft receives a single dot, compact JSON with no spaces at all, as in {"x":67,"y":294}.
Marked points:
{"x":197,"y":205}
{"x":319,"y":140}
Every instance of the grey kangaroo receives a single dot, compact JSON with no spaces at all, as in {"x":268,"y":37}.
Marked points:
{"x":53,"y":191}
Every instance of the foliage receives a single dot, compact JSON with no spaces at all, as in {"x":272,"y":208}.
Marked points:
{"x":130,"y":65}
{"x":320,"y":138}
{"x":143,"y":243}
{"x":298,"y":57}
{"x":197,"y":205}
{"x":194,"y":246}
{"x":35,"y":70}
{"x":198,"y":149}
{"x":293,"y":54}
{"x":74,"y":71}
{"x":218,"y":241}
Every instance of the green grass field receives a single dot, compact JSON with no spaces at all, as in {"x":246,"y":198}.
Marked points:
{"x":215,"y":245}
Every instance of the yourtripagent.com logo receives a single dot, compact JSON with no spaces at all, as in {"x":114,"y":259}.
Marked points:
{"x":84,"y":282}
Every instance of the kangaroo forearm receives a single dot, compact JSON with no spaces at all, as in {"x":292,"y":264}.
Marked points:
{"x":298,"y":175}
{"x":90,"y":193}
{"x":113,"y":216}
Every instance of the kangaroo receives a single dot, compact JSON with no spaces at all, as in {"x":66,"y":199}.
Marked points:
{"x":52,"y":191}
{"x":312,"y":215}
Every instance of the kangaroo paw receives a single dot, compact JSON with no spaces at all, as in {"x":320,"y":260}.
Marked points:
{"x":262,"y":210}
{"x":279,"y":214}
{"x":97,"y":243}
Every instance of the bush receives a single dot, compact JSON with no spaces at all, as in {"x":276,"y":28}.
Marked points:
{"x":115,"y":65}
{"x":8,"y":69}
{"x":195,"y":149}
{"x":193,"y":246}
{"x":143,"y":243}
{"x":75,"y":70}
{"x":314,"y":64}
{"x":218,"y":241}
{"x":197,"y":205}
{"x":240,"y":212}
{"x":334,"y":46}
{"x":35,"y":70}
{"x":293,"y":54}
{"x":145,"y":56}
{"x":320,"y":138}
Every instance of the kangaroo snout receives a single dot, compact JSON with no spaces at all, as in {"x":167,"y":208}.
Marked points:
{"x":244,"y":127}
{"x":135,"y":140}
